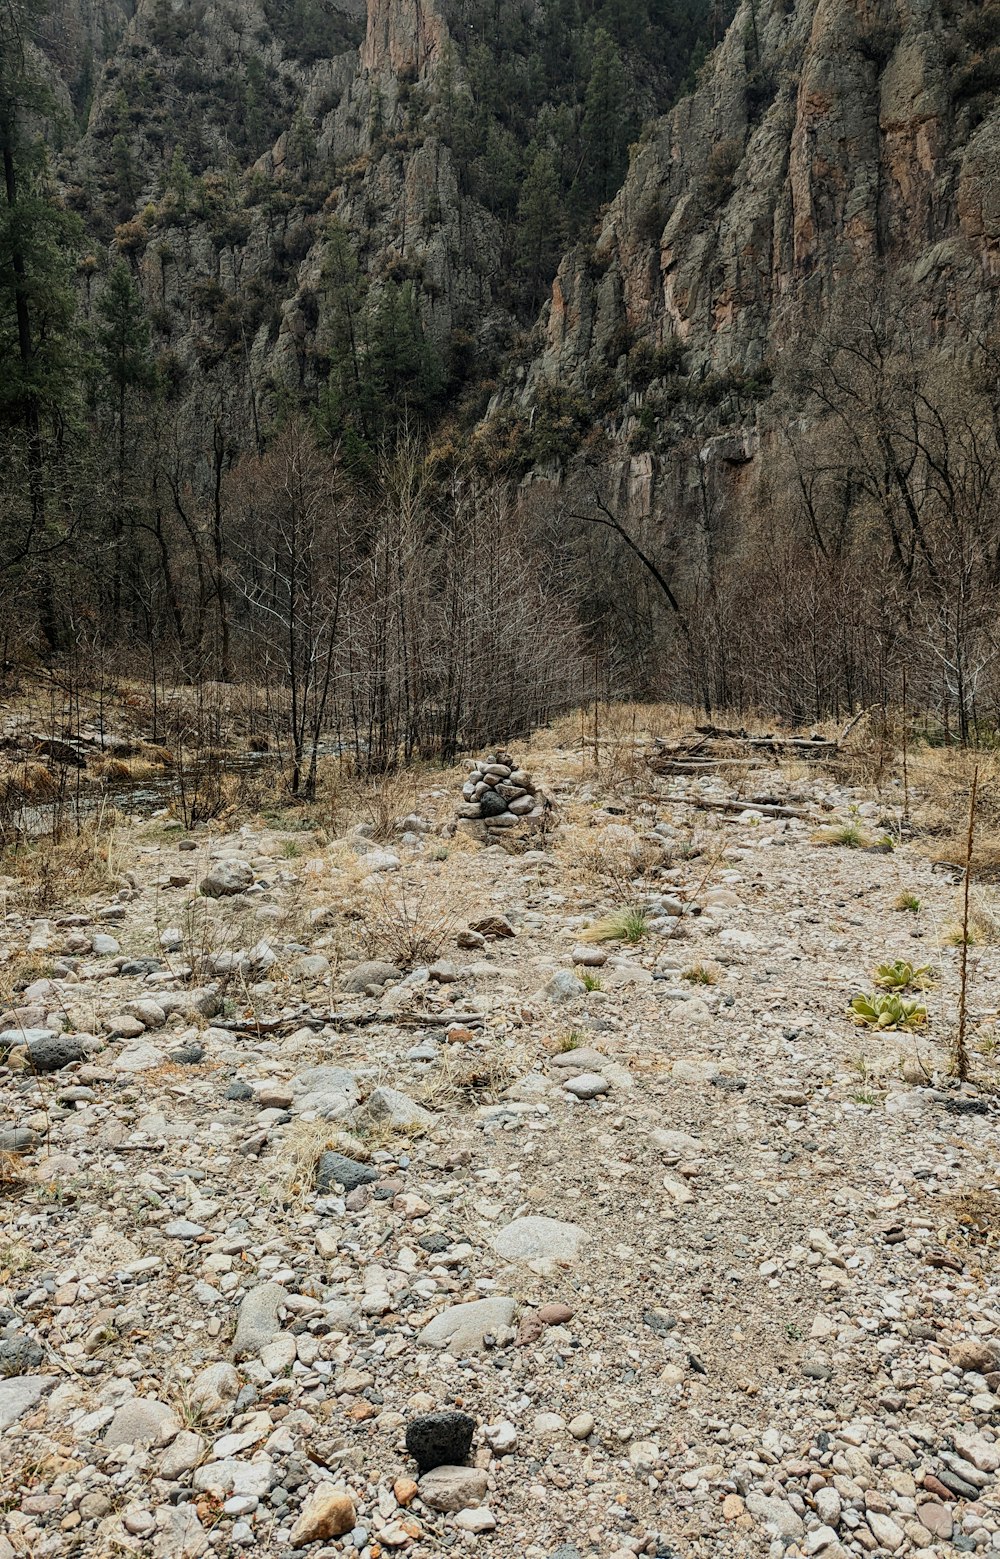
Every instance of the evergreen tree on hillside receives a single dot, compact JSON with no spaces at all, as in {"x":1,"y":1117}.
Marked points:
{"x":539,"y":225}
{"x":604,"y":132}
{"x":123,"y":348}
{"x":39,"y":340}
{"x":126,"y":367}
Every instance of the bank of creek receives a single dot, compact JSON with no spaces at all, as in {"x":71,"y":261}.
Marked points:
{"x":310,"y":1136}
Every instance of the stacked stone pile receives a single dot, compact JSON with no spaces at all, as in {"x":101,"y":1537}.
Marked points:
{"x":499,"y":794}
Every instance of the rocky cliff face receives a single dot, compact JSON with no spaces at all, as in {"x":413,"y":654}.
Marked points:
{"x":241,"y":149}
{"x":403,"y":38}
{"x":826,"y":140}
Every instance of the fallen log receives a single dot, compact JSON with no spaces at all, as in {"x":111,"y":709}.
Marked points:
{"x":318,"y":1020}
{"x":765,"y":808}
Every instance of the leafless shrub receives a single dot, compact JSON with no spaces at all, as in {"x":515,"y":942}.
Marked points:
{"x":405,"y":927}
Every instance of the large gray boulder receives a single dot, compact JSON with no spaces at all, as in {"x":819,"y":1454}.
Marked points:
{"x":462,"y":1328}
{"x":226,"y":878}
{"x":375,"y":972}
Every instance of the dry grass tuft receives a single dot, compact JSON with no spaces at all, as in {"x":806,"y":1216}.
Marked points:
{"x":615,"y":856}
{"x":152,"y":752}
{"x":128,"y":771}
{"x":850,"y":836}
{"x":469,"y":1075}
{"x":20,"y":971}
{"x":28,"y":783}
{"x":702,"y":974}
{"x":623,"y":925}
{"x":983,"y":926}
{"x":302,"y":1147}
{"x":969,"y":1227}
{"x":14,"y":1173}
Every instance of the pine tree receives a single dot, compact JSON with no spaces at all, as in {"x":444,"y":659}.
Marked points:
{"x":126,"y":179}
{"x":126,"y":362}
{"x":405,"y":369}
{"x":346,"y":400}
{"x":604,"y":132}
{"x":179,"y":179}
{"x":123,"y":347}
{"x":539,"y":225}
{"x":302,"y":144}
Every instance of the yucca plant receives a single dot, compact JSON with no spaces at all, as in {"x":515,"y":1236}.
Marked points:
{"x":901,"y":975}
{"x":887,"y":1011}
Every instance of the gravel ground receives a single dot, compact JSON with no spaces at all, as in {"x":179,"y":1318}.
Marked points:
{"x":733,"y":1258}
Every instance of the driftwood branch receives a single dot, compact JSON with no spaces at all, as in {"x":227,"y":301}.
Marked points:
{"x":318,"y":1020}
{"x":765,"y":808}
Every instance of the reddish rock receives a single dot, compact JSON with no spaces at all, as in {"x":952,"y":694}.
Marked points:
{"x":936,"y":1518}
{"x":935,"y":1486}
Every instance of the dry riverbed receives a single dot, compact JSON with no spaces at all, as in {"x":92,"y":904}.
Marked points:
{"x":693,"y":1266}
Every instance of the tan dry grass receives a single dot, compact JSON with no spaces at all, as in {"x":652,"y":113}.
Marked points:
{"x":79,"y":863}
{"x":28,"y":783}
{"x":470,"y":1074}
{"x":14,"y":1173}
{"x":983,"y":924}
{"x":941,"y":779}
{"x":129,"y":771}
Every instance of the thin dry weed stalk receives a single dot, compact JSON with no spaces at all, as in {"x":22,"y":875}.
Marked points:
{"x":960,"y":1056}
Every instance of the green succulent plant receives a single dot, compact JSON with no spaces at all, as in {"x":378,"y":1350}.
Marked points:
{"x":900,"y":974}
{"x":887,"y":1011}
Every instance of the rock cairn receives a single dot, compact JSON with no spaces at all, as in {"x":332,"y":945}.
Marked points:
{"x":499,"y":794}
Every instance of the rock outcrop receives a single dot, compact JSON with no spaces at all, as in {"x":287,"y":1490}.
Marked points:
{"x":828,"y":140}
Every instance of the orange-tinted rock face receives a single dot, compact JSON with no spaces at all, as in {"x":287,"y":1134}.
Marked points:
{"x":834,"y":143}
{"x":404,"y":37}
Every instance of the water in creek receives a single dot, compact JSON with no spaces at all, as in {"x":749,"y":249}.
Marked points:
{"x":81,"y":799}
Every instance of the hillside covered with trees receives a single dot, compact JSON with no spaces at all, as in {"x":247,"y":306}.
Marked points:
{"x":401,"y":325}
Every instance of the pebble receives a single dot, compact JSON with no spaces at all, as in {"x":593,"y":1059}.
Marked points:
{"x":258,"y":1323}
{"x":19,"y":1393}
{"x":534,"y":1237}
{"x":142,"y":1421}
{"x":227,"y":878}
{"x":328,"y":1512}
{"x":447,"y":1488}
{"x":464,"y":1327}
{"x":335,"y":1169}
{"x":589,"y":1085}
